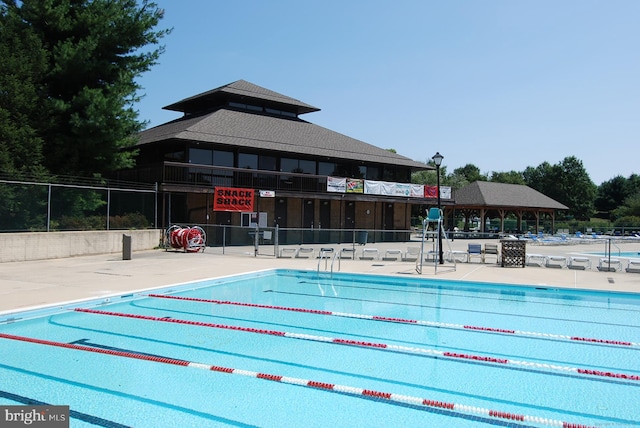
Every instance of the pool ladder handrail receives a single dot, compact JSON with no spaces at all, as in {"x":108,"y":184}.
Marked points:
{"x":325,"y":254}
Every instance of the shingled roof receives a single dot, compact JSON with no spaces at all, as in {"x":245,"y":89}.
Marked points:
{"x":500,"y":195}
{"x":245,"y":129}
{"x":241,"y":91}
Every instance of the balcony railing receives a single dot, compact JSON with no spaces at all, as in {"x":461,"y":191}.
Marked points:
{"x":210,"y":176}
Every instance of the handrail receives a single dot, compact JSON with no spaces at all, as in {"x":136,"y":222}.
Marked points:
{"x":336,"y":255}
{"x":321,"y":256}
{"x":619,"y":250}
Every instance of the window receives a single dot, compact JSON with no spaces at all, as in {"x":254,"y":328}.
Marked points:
{"x":201,"y":156}
{"x":245,"y":106}
{"x":326,"y":168}
{"x":298,"y":165}
{"x":222,"y":158}
{"x":373,"y":173}
{"x":267,"y":163}
{"x":247,"y":161}
{"x":175,"y":156}
{"x":288,"y":165}
{"x":307,"y":166}
{"x":280,"y":112}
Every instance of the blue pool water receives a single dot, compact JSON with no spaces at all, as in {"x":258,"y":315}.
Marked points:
{"x":483,"y":354}
{"x":631,"y":254}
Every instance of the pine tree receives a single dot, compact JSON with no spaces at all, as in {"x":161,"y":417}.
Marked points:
{"x":87,"y":56}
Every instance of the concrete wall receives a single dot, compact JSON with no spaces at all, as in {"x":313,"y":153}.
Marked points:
{"x":16,"y":247}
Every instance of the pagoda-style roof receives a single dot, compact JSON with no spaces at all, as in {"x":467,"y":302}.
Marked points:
{"x":490,"y":195}
{"x":210,"y":118}
{"x":240,"y":91}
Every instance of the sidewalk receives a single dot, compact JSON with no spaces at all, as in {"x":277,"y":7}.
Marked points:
{"x":44,"y":282}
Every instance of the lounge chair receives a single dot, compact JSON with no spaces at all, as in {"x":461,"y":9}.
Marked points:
{"x":370,"y":254}
{"x":536,"y":260}
{"x":556,"y":262}
{"x":326,"y":252}
{"x":475,"y":250}
{"x":582,"y":263}
{"x":491,"y":250}
{"x":458,"y":256}
{"x":287,"y":253}
{"x":348,"y":253}
{"x":633,"y":266}
{"x":392,"y":255}
{"x":412,"y":254}
{"x":304,"y":253}
{"x":609,"y":265}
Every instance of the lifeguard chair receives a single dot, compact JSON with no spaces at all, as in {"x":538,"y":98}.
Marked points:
{"x":434,"y":217}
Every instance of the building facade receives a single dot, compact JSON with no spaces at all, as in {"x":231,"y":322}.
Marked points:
{"x":244,"y":137}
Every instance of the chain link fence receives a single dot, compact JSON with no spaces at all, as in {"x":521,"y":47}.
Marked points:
{"x":39,"y":207}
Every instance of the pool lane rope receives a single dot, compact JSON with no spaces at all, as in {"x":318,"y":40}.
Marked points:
{"x":372,"y":345}
{"x":409,"y":321}
{"x":355,"y":391}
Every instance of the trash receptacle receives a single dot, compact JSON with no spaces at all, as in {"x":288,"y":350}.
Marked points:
{"x":363,"y":236}
{"x":126,"y":247}
{"x":514,"y":252}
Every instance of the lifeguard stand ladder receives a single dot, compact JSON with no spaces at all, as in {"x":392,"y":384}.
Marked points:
{"x":434,"y":216}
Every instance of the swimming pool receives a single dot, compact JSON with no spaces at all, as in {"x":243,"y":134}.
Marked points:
{"x":294,"y":348}
{"x":631,"y":254}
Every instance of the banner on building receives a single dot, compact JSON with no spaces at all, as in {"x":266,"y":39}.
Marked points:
{"x":432,"y":192}
{"x":355,"y":185}
{"x":336,"y":184}
{"x":445,"y":192}
{"x":233,"y":199}
{"x":417,"y":191}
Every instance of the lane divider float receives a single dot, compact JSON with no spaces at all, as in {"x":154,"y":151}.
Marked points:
{"x":407,"y":321}
{"x":381,"y":346}
{"x":324,"y":386}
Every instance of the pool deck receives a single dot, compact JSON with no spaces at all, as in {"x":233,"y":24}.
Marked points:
{"x":32,"y":284}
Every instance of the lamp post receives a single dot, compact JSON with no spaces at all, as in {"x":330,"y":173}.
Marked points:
{"x":437,"y":159}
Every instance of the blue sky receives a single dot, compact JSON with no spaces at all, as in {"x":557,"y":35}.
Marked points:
{"x":501,"y":84}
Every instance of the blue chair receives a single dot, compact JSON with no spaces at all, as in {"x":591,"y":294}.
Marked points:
{"x":475,"y":250}
{"x":435,"y":214}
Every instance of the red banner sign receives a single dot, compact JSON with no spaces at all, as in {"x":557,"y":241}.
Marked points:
{"x":233,"y":199}
{"x":430,"y":191}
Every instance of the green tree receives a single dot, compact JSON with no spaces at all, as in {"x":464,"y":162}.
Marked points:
{"x":93,"y":50}
{"x":566,"y":182}
{"x":22,"y":68}
{"x":511,"y":177}
{"x":611,"y":194}
{"x":630,"y":208}
{"x":470,"y":173}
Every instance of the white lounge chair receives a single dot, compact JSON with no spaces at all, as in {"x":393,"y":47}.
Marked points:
{"x":609,"y":265}
{"x":458,"y":256}
{"x":392,"y":255}
{"x":287,"y":253}
{"x":582,"y":263}
{"x":348,"y":253}
{"x":370,"y":254}
{"x":556,"y":262}
{"x":304,"y":253}
{"x":536,"y":260}
{"x":412,"y":254}
{"x":633,"y":266}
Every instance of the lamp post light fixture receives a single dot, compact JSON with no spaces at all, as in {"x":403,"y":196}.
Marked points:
{"x":437,"y":159}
